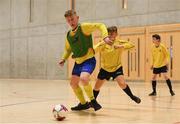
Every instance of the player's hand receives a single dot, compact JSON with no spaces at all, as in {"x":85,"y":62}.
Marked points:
{"x":108,"y":41}
{"x":118,"y":46}
{"x":152,"y":67}
{"x":61,"y":62}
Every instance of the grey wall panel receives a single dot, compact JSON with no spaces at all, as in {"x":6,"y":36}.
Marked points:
{"x":38,"y":13}
{"x":19,"y":58}
{"x":5,"y":57}
{"x":54,"y":52}
{"x":56,"y":9}
{"x":5,"y":16}
{"x":5,"y":34}
{"x":37,"y":31}
{"x":107,"y":8}
{"x":134,"y":7}
{"x":85,"y":9}
{"x":134,"y":20}
{"x":164,"y":18}
{"x":57,"y":29}
{"x":163,"y":5}
{"x":20,"y":13}
{"x":19,"y":32}
{"x":37,"y":57}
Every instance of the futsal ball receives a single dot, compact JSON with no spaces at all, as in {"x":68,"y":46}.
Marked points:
{"x":59,"y":112}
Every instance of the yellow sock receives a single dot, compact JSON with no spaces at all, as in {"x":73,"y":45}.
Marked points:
{"x":79,"y":93}
{"x":89,"y":91}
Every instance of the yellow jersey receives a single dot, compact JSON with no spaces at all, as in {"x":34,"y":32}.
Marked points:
{"x":111,"y":57}
{"x":160,"y":56}
{"x":87,"y":29}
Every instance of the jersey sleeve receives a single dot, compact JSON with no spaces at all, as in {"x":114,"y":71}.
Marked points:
{"x":67,"y":50}
{"x":88,"y":28}
{"x":127,"y":44}
{"x":166,"y":54}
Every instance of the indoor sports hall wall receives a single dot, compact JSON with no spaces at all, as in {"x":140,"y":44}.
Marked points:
{"x":32,"y":32}
{"x":32,"y":36}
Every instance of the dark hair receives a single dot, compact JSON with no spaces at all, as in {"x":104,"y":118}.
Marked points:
{"x":112,"y":29}
{"x":156,"y":36}
{"x":69,"y":13}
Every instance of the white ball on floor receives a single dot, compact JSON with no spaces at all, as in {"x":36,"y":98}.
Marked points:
{"x":60,"y":112}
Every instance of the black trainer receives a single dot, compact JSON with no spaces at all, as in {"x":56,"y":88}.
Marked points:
{"x":80,"y":107}
{"x":94,"y":104}
{"x":172,"y":93}
{"x":152,"y":94}
{"x":136,"y":99}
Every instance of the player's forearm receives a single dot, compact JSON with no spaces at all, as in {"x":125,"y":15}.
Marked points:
{"x":129,"y":45}
{"x":102,"y":28}
{"x":66,"y":55}
{"x":88,"y":28}
{"x":67,"y":51}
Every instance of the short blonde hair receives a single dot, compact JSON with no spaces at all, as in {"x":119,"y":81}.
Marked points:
{"x":69,"y":13}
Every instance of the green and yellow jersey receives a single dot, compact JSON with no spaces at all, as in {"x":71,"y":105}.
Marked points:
{"x":110,"y":56}
{"x":79,"y":42}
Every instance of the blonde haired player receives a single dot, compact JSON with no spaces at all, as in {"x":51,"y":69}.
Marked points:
{"x":79,"y":43}
{"x":160,"y":61}
{"x":111,"y":65}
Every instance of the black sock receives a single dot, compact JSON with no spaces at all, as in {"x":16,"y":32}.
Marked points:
{"x":95,"y":93}
{"x":127,"y":90}
{"x":169,"y":84}
{"x":154,"y":86}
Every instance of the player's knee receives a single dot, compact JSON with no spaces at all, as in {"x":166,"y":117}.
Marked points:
{"x":153,"y":78}
{"x":84,"y":79}
{"x":166,"y":77}
{"x":96,"y":87}
{"x":73,"y":85}
{"x":122,"y":85}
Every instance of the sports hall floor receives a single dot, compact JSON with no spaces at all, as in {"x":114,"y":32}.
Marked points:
{"x":31,"y":101}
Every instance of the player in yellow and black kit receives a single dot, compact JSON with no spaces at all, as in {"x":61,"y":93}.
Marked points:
{"x":160,"y":61}
{"x":111,"y":65}
{"x":79,"y":43}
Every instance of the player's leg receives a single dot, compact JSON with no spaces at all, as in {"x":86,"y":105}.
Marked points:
{"x":89,"y":91}
{"x":85,"y":80}
{"x":121,"y":82}
{"x":97,"y":87}
{"x":153,"y":85}
{"x":168,"y":81}
{"x":102,"y":76}
{"x":87,"y":69}
{"x":77,"y":89}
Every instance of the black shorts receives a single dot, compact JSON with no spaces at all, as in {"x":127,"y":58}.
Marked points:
{"x":160,"y":70}
{"x":103,"y":74}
